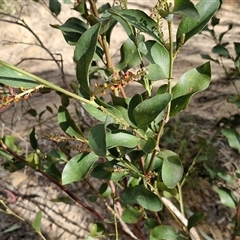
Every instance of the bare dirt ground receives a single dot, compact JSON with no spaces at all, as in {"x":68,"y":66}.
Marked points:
{"x":32,"y":193}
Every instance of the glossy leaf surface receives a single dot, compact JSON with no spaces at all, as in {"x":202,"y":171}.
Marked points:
{"x":189,"y":27}
{"x":145,"y":198}
{"x":158,"y":55}
{"x":72,"y":30}
{"x":145,"y":112}
{"x":191,"y":82}
{"x":233,"y":138}
{"x":97,"y":139}
{"x":78,"y":167}
{"x":129,"y":56}
{"x":185,"y":8}
{"x":121,"y":138}
{"x":172,"y":169}
{"x":163,"y":232}
{"x":227,"y":197}
{"x":139,"y":20}
{"x":83,"y":55}
{"x":15,"y":79}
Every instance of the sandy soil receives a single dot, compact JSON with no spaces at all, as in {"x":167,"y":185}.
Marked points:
{"x":14,"y":120}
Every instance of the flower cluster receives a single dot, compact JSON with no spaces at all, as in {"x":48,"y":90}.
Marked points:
{"x":11,"y":96}
{"x":119,"y":80}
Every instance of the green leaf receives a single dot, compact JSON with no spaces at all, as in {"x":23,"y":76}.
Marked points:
{"x":189,"y":27}
{"x":121,"y":138}
{"x":129,"y":56}
{"x":172,"y":169}
{"x":131,"y":215}
{"x":9,"y":141}
{"x":37,"y":221}
{"x":154,"y":72}
{"x":237,"y":48}
{"x":55,"y":6}
{"x":97,"y":229}
{"x":226,"y":177}
{"x":194,"y":220}
{"x":67,"y":124}
{"x":149,"y":145}
{"x":208,"y":57}
{"x":230,"y":26}
{"x":158,"y":55}
{"x":95,"y":112}
{"x":146,"y":112}
{"x":78,"y":167}
{"x":81,"y":7}
{"x":83,"y":55}
{"x":106,"y":170}
{"x":191,"y":82}
{"x":150,"y":223}
{"x":221,"y":50}
{"x":145,"y":198}
{"x":105,"y":190}
{"x":185,"y":8}
{"x":130,"y":31}
{"x":15,"y":79}
{"x":97,"y":139}
{"x":135,"y":100}
{"x":163,"y":232}
{"x":233,"y":138}
{"x":227,"y":197}
{"x":62,"y":199}
{"x":33,"y":140}
{"x":141,"y":21}
{"x":72,"y":29}
{"x":33,"y":160}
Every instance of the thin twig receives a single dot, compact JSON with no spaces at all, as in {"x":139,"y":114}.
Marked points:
{"x":41,"y":44}
{"x":63,"y":188}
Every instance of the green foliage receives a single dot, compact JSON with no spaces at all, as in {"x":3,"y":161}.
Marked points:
{"x":122,"y":147}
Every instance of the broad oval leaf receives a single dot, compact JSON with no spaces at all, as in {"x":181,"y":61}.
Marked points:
{"x":140,"y":20}
{"x":145,"y":198}
{"x":221,"y":50}
{"x":55,"y":6}
{"x":172,"y":169}
{"x":131,"y":215}
{"x":156,"y":54}
{"x":95,"y":112}
{"x":149,"y":145}
{"x":97,"y":139}
{"x":121,"y":138}
{"x":233,"y":138}
{"x":154,"y":72}
{"x":227,"y":197}
{"x":191,"y":82}
{"x":163,"y":232}
{"x":129,"y":56}
{"x":145,"y":112}
{"x":194,"y":220}
{"x":188,"y":27}
{"x":185,"y":8}
{"x":78,"y":167}
{"x":72,"y":30}
{"x":67,"y":124}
